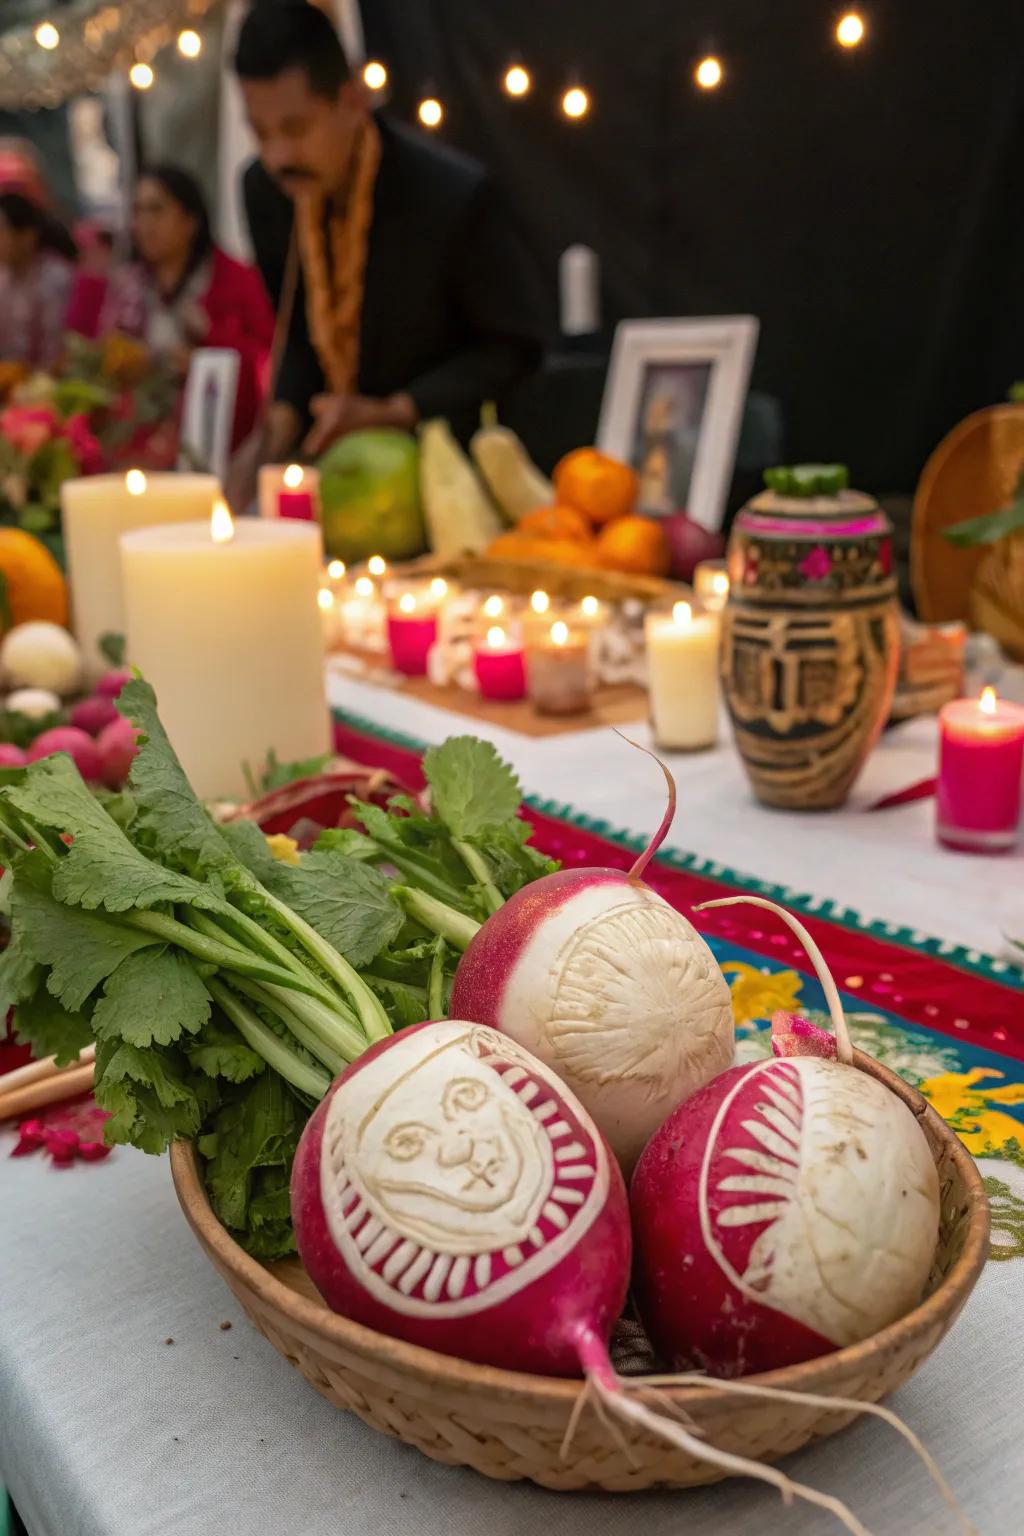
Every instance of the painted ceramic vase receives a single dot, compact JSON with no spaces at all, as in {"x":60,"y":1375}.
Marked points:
{"x":810,"y":642}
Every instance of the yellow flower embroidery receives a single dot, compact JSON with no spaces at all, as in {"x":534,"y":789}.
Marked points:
{"x":285,"y":849}
{"x":968,"y":1108}
{"x":757,"y":994}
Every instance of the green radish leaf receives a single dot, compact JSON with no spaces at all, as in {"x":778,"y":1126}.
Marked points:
{"x":50,"y":1030}
{"x":349,"y":904}
{"x":152,"y":999}
{"x":989,"y":528}
{"x":221,"y":1052}
{"x":472,"y":788}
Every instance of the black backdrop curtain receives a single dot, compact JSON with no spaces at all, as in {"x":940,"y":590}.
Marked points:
{"x":868,"y":206}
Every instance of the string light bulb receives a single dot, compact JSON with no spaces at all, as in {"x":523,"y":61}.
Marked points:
{"x":47,"y":36}
{"x":850,"y":30}
{"x":575,"y":102}
{"x":141,"y":76}
{"x":375,"y":75}
{"x":190,"y":44}
{"x":430,"y":112}
{"x":517,"y":80}
{"x":709,"y":73}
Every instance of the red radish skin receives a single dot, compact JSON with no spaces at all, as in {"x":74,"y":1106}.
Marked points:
{"x":79,"y":747}
{"x":794,"y":1036}
{"x":91,"y":715}
{"x":111,"y":683}
{"x":787,"y":1209}
{"x":601,"y":978}
{"x":11,"y":756}
{"x":117,"y":748}
{"x":450,"y":1191}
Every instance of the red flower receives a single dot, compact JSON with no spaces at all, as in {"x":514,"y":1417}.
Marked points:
{"x":83,"y":444}
{"x":816,"y":564}
{"x":28,"y":427}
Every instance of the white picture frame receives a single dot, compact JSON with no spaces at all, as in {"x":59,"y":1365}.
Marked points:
{"x":703,"y":368}
{"x":208,"y":409}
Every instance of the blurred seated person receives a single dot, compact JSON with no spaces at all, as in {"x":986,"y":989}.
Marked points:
{"x":183,"y":292}
{"x":389,"y":257}
{"x":95,"y":246}
{"x":36,"y":278}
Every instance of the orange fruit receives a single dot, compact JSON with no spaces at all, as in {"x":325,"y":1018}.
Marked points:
{"x":555,"y":522}
{"x":593,"y":483}
{"x":634,"y":544}
{"x":574,"y":552}
{"x":33,"y":585}
{"x":509,"y":546}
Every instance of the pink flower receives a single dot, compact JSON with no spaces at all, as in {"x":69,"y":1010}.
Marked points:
{"x":28,"y":427}
{"x":816,"y":564}
{"x":83,"y":444}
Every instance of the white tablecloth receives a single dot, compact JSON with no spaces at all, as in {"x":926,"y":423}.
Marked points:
{"x":106,"y":1430}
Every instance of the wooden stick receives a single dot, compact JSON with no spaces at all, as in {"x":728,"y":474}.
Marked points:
{"x":49,"y":1090}
{"x":35,"y":1071}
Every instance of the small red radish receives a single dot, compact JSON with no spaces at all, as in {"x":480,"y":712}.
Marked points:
{"x":111,"y":683}
{"x":785,"y":1210}
{"x":91,"y":715}
{"x":450,"y":1191}
{"x":79,"y":747}
{"x":794,"y":1036}
{"x":117,"y":748}
{"x":11,"y":756}
{"x":600,"y":977}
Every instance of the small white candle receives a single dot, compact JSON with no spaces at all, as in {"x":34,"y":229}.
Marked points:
{"x":711,"y":585}
{"x":361,"y":615}
{"x":275,"y":478}
{"x":579,"y":281}
{"x":223,"y":620}
{"x":95,"y":512}
{"x":682,"y":665}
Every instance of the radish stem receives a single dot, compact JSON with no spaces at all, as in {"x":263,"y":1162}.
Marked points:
{"x":477,"y":866}
{"x":307,"y":1079}
{"x":455,"y":927}
{"x":637,"y":872}
{"x":844,"y":1049}
{"x":435,"y":986}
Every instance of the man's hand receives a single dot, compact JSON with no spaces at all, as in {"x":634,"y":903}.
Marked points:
{"x":337,"y":415}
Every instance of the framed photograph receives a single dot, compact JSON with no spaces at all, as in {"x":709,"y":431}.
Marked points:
{"x":208,"y":409}
{"x":672,"y":407}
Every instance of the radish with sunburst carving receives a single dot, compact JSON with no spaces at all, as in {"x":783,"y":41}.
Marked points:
{"x":787,"y":1209}
{"x":601,"y":978}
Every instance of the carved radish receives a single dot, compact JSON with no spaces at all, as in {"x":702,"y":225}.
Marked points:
{"x":787,"y":1209}
{"x":598,"y":976}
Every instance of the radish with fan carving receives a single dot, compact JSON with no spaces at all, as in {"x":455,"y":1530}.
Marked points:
{"x":786,"y":1209}
{"x":600,"y":977}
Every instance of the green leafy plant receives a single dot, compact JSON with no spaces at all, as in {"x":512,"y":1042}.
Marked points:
{"x":807,"y":480}
{"x":990,"y":527}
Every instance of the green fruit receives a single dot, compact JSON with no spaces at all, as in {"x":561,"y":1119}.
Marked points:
{"x":370,"y":496}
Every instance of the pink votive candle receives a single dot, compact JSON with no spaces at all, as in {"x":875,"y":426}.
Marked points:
{"x":499,"y":667}
{"x":981,"y":763}
{"x":411,"y":633}
{"x":297,"y":505}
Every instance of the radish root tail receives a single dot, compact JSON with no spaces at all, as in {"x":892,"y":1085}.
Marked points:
{"x":844,"y":1048}
{"x":817,"y":1400}
{"x":637,"y":872}
{"x":617,"y":1401}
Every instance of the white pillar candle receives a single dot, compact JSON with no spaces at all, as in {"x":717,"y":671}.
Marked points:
{"x":275,"y":478}
{"x":682,"y":667}
{"x":223,"y":620}
{"x":95,"y":512}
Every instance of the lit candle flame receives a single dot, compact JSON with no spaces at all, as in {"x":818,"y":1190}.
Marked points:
{"x":540,"y":602}
{"x":222,"y":524}
{"x":438,"y":588}
{"x":293,"y":476}
{"x":376,"y":565}
{"x":325,"y":597}
{"x":336,"y":570}
{"x":682,"y":614}
{"x":559,"y":633}
{"x":364,"y":587}
{"x":407,"y":603}
{"x":135,"y":482}
{"x":589,"y":605}
{"x":496,"y":637}
{"x":719,"y":583}
{"x":494,"y":607}
{"x":987,"y":702}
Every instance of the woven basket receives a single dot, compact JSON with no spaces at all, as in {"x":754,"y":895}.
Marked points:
{"x":510,"y":1426}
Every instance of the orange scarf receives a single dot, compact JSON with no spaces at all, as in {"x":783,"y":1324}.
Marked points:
{"x":332,"y":246}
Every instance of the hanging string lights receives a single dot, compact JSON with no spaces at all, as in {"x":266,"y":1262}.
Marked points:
{"x":375,"y":75}
{"x":850,"y":30}
{"x":516,"y":81}
{"x":575,"y":103}
{"x":190,"y":44}
{"x":430,"y":112}
{"x":141,"y":75}
{"x":47,"y":36}
{"x":709,"y":73}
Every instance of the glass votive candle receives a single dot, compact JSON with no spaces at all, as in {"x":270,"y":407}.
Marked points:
{"x":498,"y":665}
{"x":412,"y":630}
{"x":981,"y":760}
{"x":590,"y":612}
{"x":361,"y":615}
{"x":682,"y":671}
{"x":558,"y":674}
{"x":711,"y":585}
